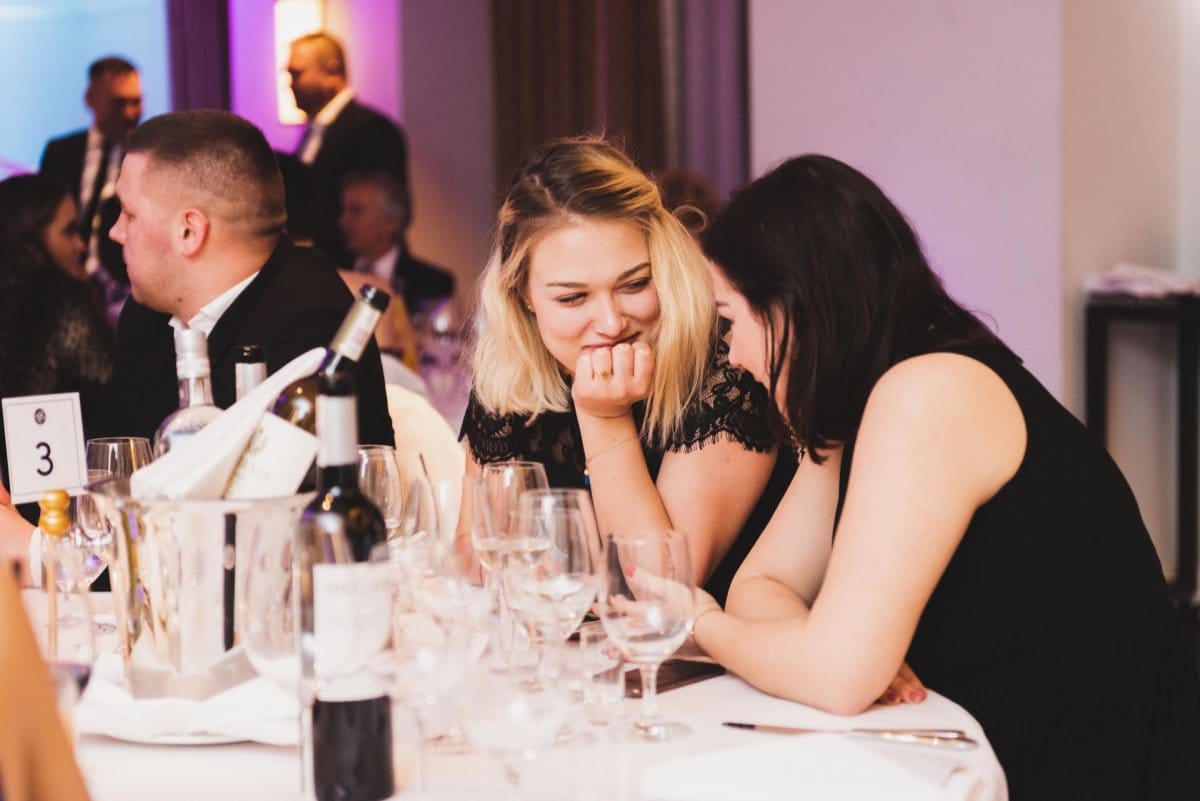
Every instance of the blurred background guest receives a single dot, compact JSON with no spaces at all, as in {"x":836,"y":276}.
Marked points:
{"x":53,"y":335}
{"x":343,"y":137}
{"x":89,"y":162}
{"x":373,"y":221}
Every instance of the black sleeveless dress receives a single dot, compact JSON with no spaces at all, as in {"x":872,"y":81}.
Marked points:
{"x":732,"y":405}
{"x":1052,"y":625}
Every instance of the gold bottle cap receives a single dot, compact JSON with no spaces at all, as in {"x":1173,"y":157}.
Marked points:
{"x":54,"y":521}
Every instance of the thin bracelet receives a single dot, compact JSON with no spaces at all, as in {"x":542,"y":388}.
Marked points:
{"x":602,"y":451}
{"x":698,"y":617}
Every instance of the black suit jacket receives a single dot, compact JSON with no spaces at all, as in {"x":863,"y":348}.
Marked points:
{"x":359,"y":140}
{"x":295,"y":303}
{"x":63,"y":160}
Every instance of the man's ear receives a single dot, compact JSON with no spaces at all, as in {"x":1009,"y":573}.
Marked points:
{"x":192,"y":231}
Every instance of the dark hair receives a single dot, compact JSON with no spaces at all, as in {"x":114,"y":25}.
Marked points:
{"x":330,"y":56}
{"x":28,"y":204}
{"x":223,"y":156}
{"x":389,"y":185}
{"x":819,"y":242}
{"x":109,"y":65}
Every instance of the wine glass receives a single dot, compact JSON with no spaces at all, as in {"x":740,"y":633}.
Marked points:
{"x":496,"y":495}
{"x":379,"y":478}
{"x":93,"y":531}
{"x":549,"y":578}
{"x":268,"y":622}
{"x":70,"y":651}
{"x":646,"y":607}
{"x":120,"y":456}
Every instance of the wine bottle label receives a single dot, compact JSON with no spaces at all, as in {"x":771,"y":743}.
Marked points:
{"x":352,"y":617}
{"x":337,"y":430}
{"x":352,"y":338}
{"x":275,"y":461}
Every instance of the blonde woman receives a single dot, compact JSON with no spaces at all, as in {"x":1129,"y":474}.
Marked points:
{"x":599,"y":356}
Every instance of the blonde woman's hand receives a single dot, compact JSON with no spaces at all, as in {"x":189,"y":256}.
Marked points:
{"x":608,"y":381}
{"x":905,"y":688}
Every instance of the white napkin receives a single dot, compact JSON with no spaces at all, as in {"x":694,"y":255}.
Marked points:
{"x":808,"y":766}
{"x":257,"y":710}
{"x":200,"y":466}
{"x":1143,"y":281}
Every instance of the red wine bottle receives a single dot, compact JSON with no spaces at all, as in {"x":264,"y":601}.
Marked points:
{"x":344,"y":591}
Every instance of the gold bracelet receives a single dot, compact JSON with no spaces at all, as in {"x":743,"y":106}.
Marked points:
{"x":588,"y":461}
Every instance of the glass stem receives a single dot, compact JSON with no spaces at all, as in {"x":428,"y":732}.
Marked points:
{"x":648,"y":717}
{"x":307,"y":788}
{"x":422,"y":753}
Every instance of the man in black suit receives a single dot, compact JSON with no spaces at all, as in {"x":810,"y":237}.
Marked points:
{"x":89,"y":161}
{"x":201,"y":221}
{"x":343,"y":137}
{"x":374,"y":216}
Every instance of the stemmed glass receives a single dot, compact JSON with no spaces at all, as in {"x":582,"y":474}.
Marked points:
{"x":379,"y":478}
{"x":494,"y":526}
{"x":550,"y":576}
{"x":646,"y":607}
{"x":269,"y":627}
{"x":120,"y":456}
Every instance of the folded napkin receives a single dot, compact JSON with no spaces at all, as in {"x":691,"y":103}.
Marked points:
{"x":808,"y":766}
{"x":199,"y":467}
{"x":257,"y":710}
{"x":1141,"y":280}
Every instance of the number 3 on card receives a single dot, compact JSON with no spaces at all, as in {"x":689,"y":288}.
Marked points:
{"x":44,"y":436}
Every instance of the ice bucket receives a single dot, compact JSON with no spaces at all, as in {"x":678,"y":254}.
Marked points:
{"x":174,"y":569}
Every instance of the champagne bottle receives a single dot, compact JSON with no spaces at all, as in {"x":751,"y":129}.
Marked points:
{"x":196,"y":409}
{"x":250,"y":369}
{"x":280,"y":457}
{"x":344,"y":611}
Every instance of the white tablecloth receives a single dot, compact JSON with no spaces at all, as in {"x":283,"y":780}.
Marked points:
{"x":713,"y":762}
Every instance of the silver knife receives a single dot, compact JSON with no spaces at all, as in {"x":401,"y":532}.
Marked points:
{"x":937,"y":738}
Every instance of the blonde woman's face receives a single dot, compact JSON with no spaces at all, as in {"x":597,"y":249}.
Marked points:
{"x":590,"y":287}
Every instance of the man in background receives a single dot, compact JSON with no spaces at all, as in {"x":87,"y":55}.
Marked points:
{"x":202,"y":214}
{"x":343,"y":137}
{"x":373,"y":221}
{"x":89,"y":162}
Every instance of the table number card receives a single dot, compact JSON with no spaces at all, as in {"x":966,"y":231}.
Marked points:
{"x":44,"y":435}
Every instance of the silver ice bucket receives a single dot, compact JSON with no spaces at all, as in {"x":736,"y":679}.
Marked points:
{"x":176,"y":582}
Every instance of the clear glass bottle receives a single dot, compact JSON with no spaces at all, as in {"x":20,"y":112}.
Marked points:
{"x":343,"y":591}
{"x":250,"y":370}
{"x":196,"y":409}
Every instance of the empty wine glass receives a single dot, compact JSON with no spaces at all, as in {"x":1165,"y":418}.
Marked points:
{"x":93,"y":531}
{"x":380,"y":480}
{"x":120,"y":456}
{"x":646,"y":607}
{"x":497,"y":493}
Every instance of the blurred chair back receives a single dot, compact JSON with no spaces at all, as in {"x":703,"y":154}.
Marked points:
{"x":36,"y":758}
{"x":420,"y":428}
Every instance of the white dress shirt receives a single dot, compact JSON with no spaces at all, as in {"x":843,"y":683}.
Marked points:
{"x":325,"y":117}
{"x":381,"y":267}
{"x":206,"y":318}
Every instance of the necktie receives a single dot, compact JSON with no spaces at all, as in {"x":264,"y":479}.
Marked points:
{"x":91,"y":212}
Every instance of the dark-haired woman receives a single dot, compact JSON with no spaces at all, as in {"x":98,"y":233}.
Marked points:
{"x":53,"y":336}
{"x":978,"y":530}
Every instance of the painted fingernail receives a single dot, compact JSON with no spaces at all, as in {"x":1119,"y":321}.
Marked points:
{"x":916,"y":696}
{"x":890,"y":697}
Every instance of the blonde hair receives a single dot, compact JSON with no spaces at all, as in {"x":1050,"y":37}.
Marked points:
{"x":568,"y":180}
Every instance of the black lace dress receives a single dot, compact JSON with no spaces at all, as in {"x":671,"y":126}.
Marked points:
{"x":732,"y":406}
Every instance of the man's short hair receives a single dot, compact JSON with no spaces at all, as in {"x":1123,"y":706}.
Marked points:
{"x":390,"y":187}
{"x":109,"y":65}
{"x":222,"y":156}
{"x":330,"y":55}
